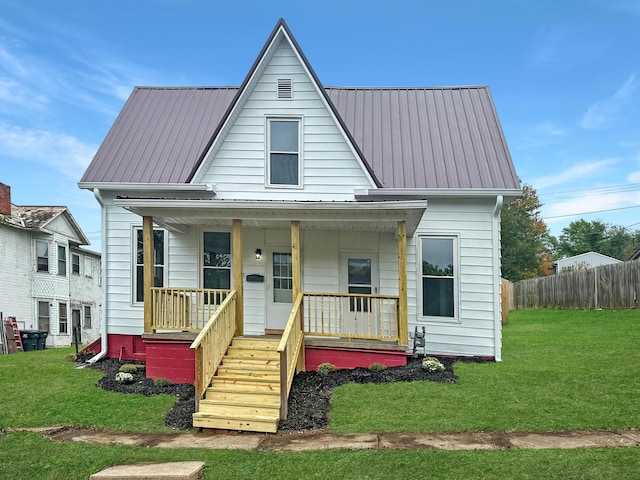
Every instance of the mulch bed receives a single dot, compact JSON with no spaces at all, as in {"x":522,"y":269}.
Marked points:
{"x":309,"y":399}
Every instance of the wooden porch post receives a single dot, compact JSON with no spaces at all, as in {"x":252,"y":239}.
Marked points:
{"x":403,"y":318}
{"x":295,"y":258}
{"x":147,"y":257}
{"x":238,"y":284}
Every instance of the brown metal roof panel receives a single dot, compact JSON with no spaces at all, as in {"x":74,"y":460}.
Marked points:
{"x":159,"y":134}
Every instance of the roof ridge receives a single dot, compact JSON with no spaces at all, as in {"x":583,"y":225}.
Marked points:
{"x":450,"y":87}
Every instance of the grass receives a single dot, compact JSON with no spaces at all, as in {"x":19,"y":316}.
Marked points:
{"x":42,"y":388}
{"x":35,"y":457}
{"x":561,"y":370}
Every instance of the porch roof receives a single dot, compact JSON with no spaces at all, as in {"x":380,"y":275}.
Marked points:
{"x":177,"y":215}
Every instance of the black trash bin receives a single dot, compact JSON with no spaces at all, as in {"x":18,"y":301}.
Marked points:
{"x":29,"y":340}
{"x":42,"y":339}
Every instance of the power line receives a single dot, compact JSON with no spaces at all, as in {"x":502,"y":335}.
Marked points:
{"x":587,"y":213}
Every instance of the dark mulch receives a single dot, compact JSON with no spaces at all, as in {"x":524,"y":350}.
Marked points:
{"x":309,"y":399}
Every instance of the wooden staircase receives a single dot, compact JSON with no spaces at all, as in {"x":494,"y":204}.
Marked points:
{"x":245,"y":392}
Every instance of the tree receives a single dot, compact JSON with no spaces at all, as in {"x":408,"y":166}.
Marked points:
{"x":525,"y":238}
{"x":582,"y":236}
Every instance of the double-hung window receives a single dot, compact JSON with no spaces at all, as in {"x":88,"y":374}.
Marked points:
{"x":42,"y":256}
{"x":62,"y":260}
{"x":158,"y":262}
{"x":75,"y":264}
{"x":438,"y":274}
{"x":283,"y":152}
{"x":63,"y":324}
{"x":87,"y":316}
{"x":216,"y":261}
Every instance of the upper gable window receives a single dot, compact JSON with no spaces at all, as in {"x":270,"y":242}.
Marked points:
{"x":42,"y":256}
{"x":284,"y":158}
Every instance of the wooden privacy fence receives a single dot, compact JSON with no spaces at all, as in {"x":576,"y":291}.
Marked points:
{"x":606,"y":287}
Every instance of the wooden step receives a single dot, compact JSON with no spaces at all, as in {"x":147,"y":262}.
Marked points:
{"x":243,"y":386}
{"x":247,"y":411}
{"x":219,"y":397}
{"x":248,"y":376}
{"x":239,"y":352}
{"x":242,"y":366}
{"x":251,"y":362}
{"x":255,"y":343}
{"x":236,"y":422}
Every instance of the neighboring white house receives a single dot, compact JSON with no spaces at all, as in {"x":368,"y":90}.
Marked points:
{"x":236,"y":170}
{"x":583,"y":261}
{"x":47,"y":279}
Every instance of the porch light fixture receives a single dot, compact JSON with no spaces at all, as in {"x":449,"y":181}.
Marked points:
{"x":258,"y":254}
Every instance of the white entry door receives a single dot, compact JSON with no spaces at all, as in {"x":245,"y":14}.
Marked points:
{"x":279,"y":287}
{"x":359,"y":273}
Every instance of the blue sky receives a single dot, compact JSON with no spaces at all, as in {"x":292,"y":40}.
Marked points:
{"x":565,"y":77}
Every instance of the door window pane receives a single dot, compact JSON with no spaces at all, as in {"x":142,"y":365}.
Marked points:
{"x":282,"y":278}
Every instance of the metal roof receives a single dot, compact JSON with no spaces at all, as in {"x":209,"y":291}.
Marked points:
{"x":441,"y":138}
{"x":410,"y":137}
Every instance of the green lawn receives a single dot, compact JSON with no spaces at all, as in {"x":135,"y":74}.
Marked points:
{"x":42,"y":388}
{"x":561,"y":370}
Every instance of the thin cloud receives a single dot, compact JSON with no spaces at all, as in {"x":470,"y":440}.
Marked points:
{"x":634,"y":177}
{"x":559,"y":211}
{"x":563,"y":47}
{"x":65,"y":153}
{"x":603,"y":114}
{"x":581,"y":170}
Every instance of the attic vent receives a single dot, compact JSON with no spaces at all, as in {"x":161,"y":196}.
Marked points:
{"x":285,"y":89}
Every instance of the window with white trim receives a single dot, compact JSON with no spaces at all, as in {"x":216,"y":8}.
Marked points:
{"x":87,"y":316}
{"x":438,"y":276}
{"x":283,"y":152}
{"x":62,"y":260}
{"x":88,"y":267}
{"x":42,"y":256}
{"x":158,"y":262}
{"x":75,"y":264}
{"x":63,"y":324}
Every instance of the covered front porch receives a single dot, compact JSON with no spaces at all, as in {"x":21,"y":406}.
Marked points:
{"x":360,"y":318}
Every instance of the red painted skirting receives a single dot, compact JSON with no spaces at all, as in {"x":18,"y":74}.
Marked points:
{"x":173,"y":360}
{"x":344,"y":358}
{"x":170,"y":359}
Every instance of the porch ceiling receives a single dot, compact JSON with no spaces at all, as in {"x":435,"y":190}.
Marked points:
{"x":178,"y":215}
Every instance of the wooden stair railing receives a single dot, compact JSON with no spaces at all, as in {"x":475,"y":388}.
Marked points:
{"x":291,"y":352}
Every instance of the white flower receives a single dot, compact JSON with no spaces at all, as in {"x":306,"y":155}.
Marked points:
{"x":432,"y":364}
{"x":122,"y":377}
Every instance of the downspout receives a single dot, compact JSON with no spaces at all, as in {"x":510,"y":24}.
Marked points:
{"x":103,"y":273}
{"x":497,"y":328}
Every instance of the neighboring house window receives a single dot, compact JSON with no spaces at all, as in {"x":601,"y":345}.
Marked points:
{"x":62,"y":260}
{"x":438,"y":276}
{"x":75,"y":318}
{"x":43,"y":316}
{"x":42,"y":255}
{"x":158,"y":262}
{"x":216,"y":260}
{"x":87,"y":316}
{"x":63,"y":325}
{"x":75,"y":264}
{"x":88,"y":267}
{"x":283,"y":152}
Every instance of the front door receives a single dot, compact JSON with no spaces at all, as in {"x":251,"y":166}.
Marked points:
{"x":360,"y":273}
{"x":279,"y":288}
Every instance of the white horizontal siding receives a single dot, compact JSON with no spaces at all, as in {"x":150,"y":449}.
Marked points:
{"x":330,"y":169}
{"x":473,"y":331}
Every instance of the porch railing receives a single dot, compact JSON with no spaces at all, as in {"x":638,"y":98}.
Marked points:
{"x":184,"y":308}
{"x":291,"y":352}
{"x":212,"y":343}
{"x":351,"y":315}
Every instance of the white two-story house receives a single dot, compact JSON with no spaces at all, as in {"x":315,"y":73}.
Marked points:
{"x":48,"y":280}
{"x":346,"y":218}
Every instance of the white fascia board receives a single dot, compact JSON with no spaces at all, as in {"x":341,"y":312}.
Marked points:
{"x":147,"y":187}
{"x":438,"y":192}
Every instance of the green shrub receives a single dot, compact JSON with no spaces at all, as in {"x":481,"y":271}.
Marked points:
{"x":326,"y":368}
{"x":377,"y":367}
{"x":128,"y":368}
{"x":162,"y":382}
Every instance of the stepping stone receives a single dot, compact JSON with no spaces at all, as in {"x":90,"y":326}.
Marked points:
{"x":152,"y":471}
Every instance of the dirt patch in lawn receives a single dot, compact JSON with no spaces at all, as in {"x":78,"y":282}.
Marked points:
{"x":309,"y":399}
